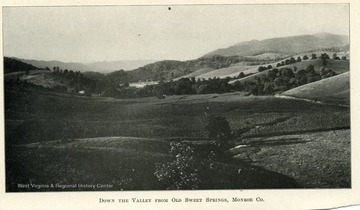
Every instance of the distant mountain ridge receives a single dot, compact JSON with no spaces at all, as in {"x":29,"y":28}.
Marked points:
{"x":102,"y":67}
{"x":285,"y":45}
{"x":127,"y":65}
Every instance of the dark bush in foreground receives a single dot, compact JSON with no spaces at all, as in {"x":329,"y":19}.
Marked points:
{"x":186,"y":170}
{"x":218,"y":128}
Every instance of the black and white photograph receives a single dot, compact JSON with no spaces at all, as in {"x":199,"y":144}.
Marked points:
{"x":177,"y":97}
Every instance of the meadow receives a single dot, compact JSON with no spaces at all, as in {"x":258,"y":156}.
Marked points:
{"x":33,"y":117}
{"x":60,"y":138}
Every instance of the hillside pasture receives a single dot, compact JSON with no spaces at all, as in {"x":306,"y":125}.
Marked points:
{"x":59,"y":138}
{"x":42,"y":78}
{"x":34,"y":117}
{"x":233,"y":70}
{"x":315,"y":160}
{"x":338,"y":66}
{"x":196,"y":73}
{"x":268,"y":56}
{"x":335,"y":90}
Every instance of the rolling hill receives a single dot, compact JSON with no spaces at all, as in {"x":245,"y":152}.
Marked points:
{"x":63,"y":65}
{"x":333,"y":90}
{"x":286,"y":45}
{"x":127,"y":65}
{"x":14,"y":65}
{"x":339,"y":66}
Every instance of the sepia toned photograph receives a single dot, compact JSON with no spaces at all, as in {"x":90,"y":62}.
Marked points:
{"x":176,"y":97}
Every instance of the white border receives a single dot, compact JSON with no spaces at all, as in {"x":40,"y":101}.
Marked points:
{"x":274,"y":199}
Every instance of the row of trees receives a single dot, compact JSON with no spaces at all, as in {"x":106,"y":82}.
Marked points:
{"x":285,"y":79}
{"x":292,"y":60}
{"x":75,"y":80}
{"x":184,"y":86}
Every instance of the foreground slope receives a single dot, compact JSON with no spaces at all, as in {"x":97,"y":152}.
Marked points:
{"x":335,"y":90}
{"x":316,"y":160}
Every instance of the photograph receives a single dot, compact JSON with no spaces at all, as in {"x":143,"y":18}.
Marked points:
{"x":177,"y":97}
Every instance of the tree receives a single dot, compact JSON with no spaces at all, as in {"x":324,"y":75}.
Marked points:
{"x":292,"y":60}
{"x":261,"y":68}
{"x":237,"y":85}
{"x":269,"y":88}
{"x":343,"y":58}
{"x":313,"y":56}
{"x":172,"y":75}
{"x":218,"y":128}
{"x":241,"y":75}
{"x":305,"y":57}
{"x":269,"y":67}
{"x":271,"y":74}
{"x":298,"y":59}
{"x":324,"y":57}
{"x":310,"y":69}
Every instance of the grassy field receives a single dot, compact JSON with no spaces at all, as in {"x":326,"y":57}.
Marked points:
{"x":59,"y":138}
{"x":32,"y":117}
{"x":315,"y":160}
{"x":334,"y":90}
{"x":122,"y":162}
{"x":339,"y":66}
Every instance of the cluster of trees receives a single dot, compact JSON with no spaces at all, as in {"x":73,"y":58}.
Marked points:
{"x":284,"y":79}
{"x":76,"y":81}
{"x":335,"y":57}
{"x":263,"y":68}
{"x":184,"y":86}
{"x":291,"y":60}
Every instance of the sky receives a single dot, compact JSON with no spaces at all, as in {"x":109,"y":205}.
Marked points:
{"x":111,"y":33}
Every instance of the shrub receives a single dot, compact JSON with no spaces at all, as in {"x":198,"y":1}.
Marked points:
{"x":261,"y":68}
{"x":186,"y":170}
{"x":218,"y":129}
{"x":241,"y":75}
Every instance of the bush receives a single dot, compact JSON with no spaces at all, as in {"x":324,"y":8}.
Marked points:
{"x":186,"y":170}
{"x":261,"y":68}
{"x":218,"y":129}
{"x":241,"y":75}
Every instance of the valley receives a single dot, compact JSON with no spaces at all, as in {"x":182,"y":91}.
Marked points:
{"x":270,"y":114}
